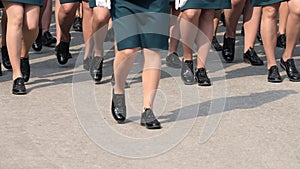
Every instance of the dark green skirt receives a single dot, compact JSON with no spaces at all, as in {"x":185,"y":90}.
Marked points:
{"x":92,"y":3}
{"x":207,"y":4}
{"x":30,"y":2}
{"x":143,"y":24}
{"x":264,"y":2}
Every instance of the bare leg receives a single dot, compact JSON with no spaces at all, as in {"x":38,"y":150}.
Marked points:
{"x":58,"y":31}
{"x":46,"y":21}
{"x":206,"y":26}
{"x":232,"y":17}
{"x":283,"y":16}
{"x":66,"y":17}
{"x":174,"y":30}
{"x":217,"y":16}
{"x":292,"y":29}
{"x":14,"y":13}
{"x":151,"y":76}
{"x":87,"y":18}
{"x":189,"y":28}
{"x":123,"y":63}
{"x":269,"y":30}
{"x":30,"y":28}
{"x":100,"y":21}
{"x":251,"y":25}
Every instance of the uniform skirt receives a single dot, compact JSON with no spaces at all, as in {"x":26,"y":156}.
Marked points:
{"x":143,"y":24}
{"x":264,"y":2}
{"x":207,"y":4}
{"x":30,"y":2}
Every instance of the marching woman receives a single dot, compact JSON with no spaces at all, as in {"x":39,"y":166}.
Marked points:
{"x":199,"y":13}
{"x":269,"y":36}
{"x":22,"y":30}
{"x":145,"y":26}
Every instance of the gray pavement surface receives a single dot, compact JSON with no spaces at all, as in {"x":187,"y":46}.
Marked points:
{"x":241,"y":122}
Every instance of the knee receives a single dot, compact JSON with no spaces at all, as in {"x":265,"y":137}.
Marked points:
{"x":127,"y":52}
{"x":270,"y":12}
{"x":190,"y":14}
{"x":17,"y":21}
{"x":294,"y":7}
{"x":104,"y":18}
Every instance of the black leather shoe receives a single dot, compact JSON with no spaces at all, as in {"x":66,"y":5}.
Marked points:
{"x":77,"y":25}
{"x":96,"y":68}
{"x":291,"y":70}
{"x":5,"y":58}
{"x":228,"y":49}
{"x":172,"y":60}
{"x":251,"y":57}
{"x":87,"y":63}
{"x":25,"y":69}
{"x":118,"y":107}
{"x":216,"y":44}
{"x":38,"y":44}
{"x":62,"y":52}
{"x":202,"y":78}
{"x":273,"y":75}
{"x":19,"y":86}
{"x":148,"y":119}
{"x":48,"y":39}
{"x":187,"y":72}
{"x":281,"y":41}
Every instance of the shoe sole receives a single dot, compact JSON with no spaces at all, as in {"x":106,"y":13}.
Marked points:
{"x":19,"y":93}
{"x":155,"y":127}
{"x":248,"y":62}
{"x":275,"y":81}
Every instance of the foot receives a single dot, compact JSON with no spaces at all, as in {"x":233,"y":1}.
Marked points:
{"x":5,"y":58}
{"x":281,"y":41}
{"x":187,"y":72}
{"x":38,"y":43}
{"x":172,"y":60}
{"x":19,"y":86}
{"x":202,"y":78}
{"x":148,"y":119}
{"x":291,"y":70}
{"x":62,"y":52}
{"x":25,"y":69}
{"x":216,"y":44}
{"x":96,"y":68}
{"x":118,"y":107}
{"x":77,"y":25}
{"x":228,"y":49}
{"x":273,"y":75}
{"x":48,"y":39}
{"x":251,"y":57}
